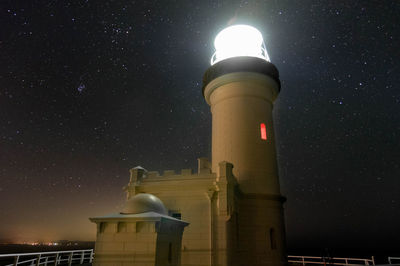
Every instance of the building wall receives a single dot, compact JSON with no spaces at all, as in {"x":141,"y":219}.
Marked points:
{"x":204,"y":199}
{"x":239,"y":103}
{"x":125,"y":244}
{"x":169,"y":240}
{"x":147,"y":241}
{"x":261,"y":232}
{"x":187,"y":194}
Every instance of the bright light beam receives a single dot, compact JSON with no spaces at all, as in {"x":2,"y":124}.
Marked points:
{"x":239,"y":40}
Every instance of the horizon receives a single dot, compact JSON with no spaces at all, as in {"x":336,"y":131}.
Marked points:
{"x":89,"y":90}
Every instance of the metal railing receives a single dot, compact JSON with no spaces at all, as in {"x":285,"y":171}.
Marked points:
{"x":394,"y":259}
{"x":74,"y":257}
{"x":69,"y":257}
{"x":304,"y":260}
{"x":263,"y":55}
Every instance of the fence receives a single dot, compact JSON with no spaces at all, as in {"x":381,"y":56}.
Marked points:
{"x":74,"y":257}
{"x":304,"y":260}
{"x":69,"y":257}
{"x":393,"y":260}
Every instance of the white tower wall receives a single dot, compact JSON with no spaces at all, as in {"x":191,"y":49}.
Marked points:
{"x":241,"y":92}
{"x":240,"y":102}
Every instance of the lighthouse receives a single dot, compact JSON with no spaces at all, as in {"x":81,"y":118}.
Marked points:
{"x":241,"y":86}
{"x":229,"y":212}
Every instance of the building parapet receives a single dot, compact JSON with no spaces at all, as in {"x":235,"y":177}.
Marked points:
{"x":171,"y":174}
{"x":220,"y":180}
{"x":139,"y":174}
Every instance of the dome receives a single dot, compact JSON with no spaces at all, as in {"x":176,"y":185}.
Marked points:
{"x":144,"y":202}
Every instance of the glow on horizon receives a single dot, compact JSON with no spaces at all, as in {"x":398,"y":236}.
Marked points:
{"x":239,"y":40}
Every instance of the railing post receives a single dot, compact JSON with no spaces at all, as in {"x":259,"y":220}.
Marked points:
{"x":346,"y":261}
{"x":70,"y":259}
{"x":82,"y":256}
{"x":38,"y":260}
{"x":17,"y":258}
{"x":91,"y":256}
{"x":390,"y":260}
{"x":56,"y":259}
{"x":47,"y":259}
{"x":373,"y":260}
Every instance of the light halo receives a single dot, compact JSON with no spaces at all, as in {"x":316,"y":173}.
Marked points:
{"x":239,"y":40}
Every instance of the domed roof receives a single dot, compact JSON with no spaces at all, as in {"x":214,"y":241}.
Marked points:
{"x":144,"y":202}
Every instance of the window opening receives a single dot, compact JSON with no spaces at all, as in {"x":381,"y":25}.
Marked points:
{"x":263,"y":131}
{"x":170,"y":252}
{"x":175,"y":214}
{"x":272,"y":238}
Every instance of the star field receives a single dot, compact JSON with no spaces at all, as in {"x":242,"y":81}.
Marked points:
{"x":90,"y":89}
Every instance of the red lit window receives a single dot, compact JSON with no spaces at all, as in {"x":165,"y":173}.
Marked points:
{"x":263,"y":131}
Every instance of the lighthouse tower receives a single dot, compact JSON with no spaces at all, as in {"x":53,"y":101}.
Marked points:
{"x":231,"y":208}
{"x":241,"y":86}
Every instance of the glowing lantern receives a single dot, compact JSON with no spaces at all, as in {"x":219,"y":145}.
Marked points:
{"x":239,"y":40}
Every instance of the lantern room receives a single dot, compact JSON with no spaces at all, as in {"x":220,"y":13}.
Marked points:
{"x":239,"y":40}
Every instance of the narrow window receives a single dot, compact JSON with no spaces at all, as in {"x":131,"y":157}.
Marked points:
{"x":102,"y":227}
{"x":177,"y":215}
{"x":121,"y":227}
{"x":263,"y":131}
{"x":272,"y":238}
{"x":170,"y":252}
{"x":237,"y":227}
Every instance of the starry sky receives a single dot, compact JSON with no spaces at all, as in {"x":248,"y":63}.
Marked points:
{"x":90,"y":89}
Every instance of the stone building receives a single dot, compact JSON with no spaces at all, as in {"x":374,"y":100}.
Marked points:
{"x":233,"y":204}
{"x":141,"y":235}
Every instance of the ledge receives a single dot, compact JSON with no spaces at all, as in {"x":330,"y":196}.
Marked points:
{"x":241,"y":64}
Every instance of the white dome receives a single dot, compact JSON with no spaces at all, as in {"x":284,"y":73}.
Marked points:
{"x":144,"y":202}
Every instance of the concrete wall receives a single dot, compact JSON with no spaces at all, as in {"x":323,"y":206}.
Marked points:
{"x":204,"y":199}
{"x":260,"y":232}
{"x":169,"y":245}
{"x":187,"y":194}
{"x":133,"y":244}
{"x":227,"y":226}
{"x":240,"y":102}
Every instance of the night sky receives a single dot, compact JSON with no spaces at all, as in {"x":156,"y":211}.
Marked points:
{"x":90,"y":89}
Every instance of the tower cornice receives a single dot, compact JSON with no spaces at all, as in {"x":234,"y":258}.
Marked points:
{"x":241,"y":64}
